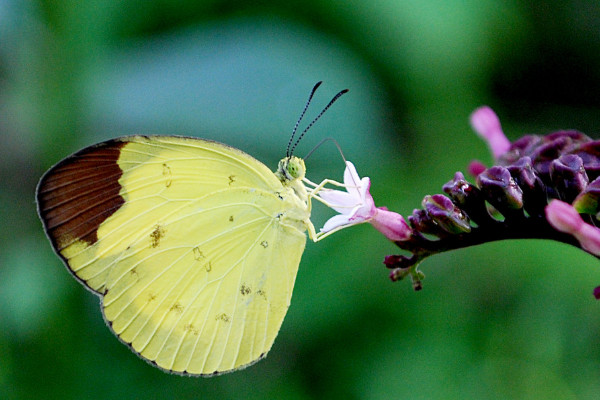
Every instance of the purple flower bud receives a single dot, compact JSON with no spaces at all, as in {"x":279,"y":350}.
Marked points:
{"x":590,"y":154}
{"x":458,"y":188}
{"x":525,"y":144}
{"x":554,"y":145}
{"x":445,"y":214}
{"x":392,"y":261}
{"x":422,"y":223}
{"x":597,"y":292}
{"x":397,"y":261}
{"x":571,"y":136}
{"x":519,"y":148}
{"x":468,"y":197}
{"x":534,"y":191}
{"x":523,"y":173}
{"x":568,"y":176}
{"x":500,"y":189}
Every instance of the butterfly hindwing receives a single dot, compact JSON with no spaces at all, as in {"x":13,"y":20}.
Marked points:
{"x":211,"y":293}
{"x":190,"y":255}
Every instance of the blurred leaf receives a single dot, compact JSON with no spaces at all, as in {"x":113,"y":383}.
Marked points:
{"x":29,"y":287}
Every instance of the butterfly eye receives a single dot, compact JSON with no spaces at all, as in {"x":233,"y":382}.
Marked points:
{"x":290,"y":169}
{"x":295,"y":168}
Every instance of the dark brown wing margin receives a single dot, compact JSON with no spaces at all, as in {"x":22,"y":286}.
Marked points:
{"x":76,"y":195}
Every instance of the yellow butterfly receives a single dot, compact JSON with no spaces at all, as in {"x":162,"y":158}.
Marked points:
{"x":192,"y":246}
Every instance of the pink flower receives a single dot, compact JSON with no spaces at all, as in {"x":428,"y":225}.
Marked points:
{"x":356,"y":206}
{"x":563,"y":217}
{"x":486,"y":123}
{"x":476,"y":167}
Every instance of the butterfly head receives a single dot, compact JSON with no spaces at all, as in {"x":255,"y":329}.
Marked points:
{"x":290,"y":169}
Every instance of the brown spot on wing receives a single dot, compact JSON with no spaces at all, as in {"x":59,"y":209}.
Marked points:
{"x":176,"y":307}
{"x":79,"y":193}
{"x":222,"y":317}
{"x":262,"y":293}
{"x":156,"y":235}
{"x":245,"y":289}
{"x":167,"y":174}
{"x":198,"y":255}
{"x":191,"y":329}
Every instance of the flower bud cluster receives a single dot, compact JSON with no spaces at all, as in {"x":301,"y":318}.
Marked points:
{"x":510,"y":200}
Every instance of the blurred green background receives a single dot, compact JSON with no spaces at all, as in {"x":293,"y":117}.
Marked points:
{"x":511,"y":320}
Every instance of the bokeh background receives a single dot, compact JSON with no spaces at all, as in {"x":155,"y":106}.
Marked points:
{"x":510,"y":320}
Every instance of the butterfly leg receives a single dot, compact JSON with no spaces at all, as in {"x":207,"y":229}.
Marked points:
{"x":321,"y":185}
{"x":317,"y":236}
{"x":313,"y":192}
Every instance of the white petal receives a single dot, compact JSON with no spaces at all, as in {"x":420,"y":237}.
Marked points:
{"x":365,"y":185}
{"x":351,"y":179}
{"x":341,"y":202}
{"x":365,"y":211}
{"x":334,"y":222}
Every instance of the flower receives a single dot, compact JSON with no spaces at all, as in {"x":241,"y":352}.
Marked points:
{"x":356,"y":206}
{"x":476,"y":167}
{"x":563,"y":217}
{"x":486,"y":123}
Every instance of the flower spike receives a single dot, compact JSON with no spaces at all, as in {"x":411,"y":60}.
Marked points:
{"x":544,"y":187}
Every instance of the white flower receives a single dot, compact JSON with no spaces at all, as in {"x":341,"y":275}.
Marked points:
{"x":356,"y":206}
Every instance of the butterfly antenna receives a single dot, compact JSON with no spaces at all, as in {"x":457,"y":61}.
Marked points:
{"x":312,"y":93}
{"x":337,"y":96}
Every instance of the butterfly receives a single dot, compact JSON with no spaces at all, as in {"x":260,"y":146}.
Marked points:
{"x":192,"y":246}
